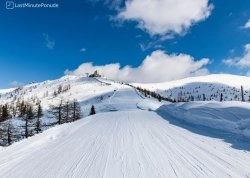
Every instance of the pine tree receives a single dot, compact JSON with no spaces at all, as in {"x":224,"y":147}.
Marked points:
{"x":221,"y":97}
{"x":9,"y":133}
{"x":22,"y":109}
{"x":66,"y":112}
{"x":92,"y":110}
{"x":59,"y":90}
{"x":39,"y":111}
{"x":204,"y":97}
{"x":242,"y":94}
{"x":5,"y":113}
{"x":6,"y":133}
{"x":159,"y":98}
{"x":55,"y":94}
{"x":38,"y":121}
{"x":57,"y":112}
{"x":76,"y":110}
{"x":28,"y":118}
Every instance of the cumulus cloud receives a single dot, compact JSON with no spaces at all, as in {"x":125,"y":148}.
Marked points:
{"x":247,"y":25}
{"x":242,"y":61}
{"x":157,"y":67}
{"x":164,"y":17}
{"x":49,"y":43}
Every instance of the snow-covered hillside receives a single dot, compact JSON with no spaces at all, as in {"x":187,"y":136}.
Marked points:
{"x":87,"y":91}
{"x":81,"y":88}
{"x":204,"y":88}
{"x":2,"y":91}
{"x":131,"y":135}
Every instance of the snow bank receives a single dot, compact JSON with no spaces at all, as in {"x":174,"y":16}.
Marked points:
{"x":227,"y":116}
{"x":149,"y":104}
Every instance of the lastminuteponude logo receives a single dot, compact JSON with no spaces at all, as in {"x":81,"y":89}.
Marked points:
{"x":13,"y":5}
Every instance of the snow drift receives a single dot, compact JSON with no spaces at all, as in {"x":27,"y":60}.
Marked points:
{"x":232,"y":117}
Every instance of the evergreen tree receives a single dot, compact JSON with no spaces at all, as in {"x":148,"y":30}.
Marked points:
{"x":28,"y":118}
{"x":76,"y":110}
{"x":55,"y":94}
{"x":66,"y":112}
{"x":59,"y":90}
{"x":22,"y":109}
{"x":9,"y":133}
{"x":5,"y":113}
{"x":242,"y":94}
{"x":39,"y":111}
{"x":221,"y":97}
{"x":159,"y":98}
{"x":204,"y":97}
{"x":6,"y":133}
{"x":38,"y":117}
{"x":92,"y":110}
{"x":57,"y":112}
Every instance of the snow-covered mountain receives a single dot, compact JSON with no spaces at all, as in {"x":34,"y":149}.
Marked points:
{"x":81,"y":88}
{"x":204,"y":88}
{"x":87,"y":91}
{"x":132,"y":135}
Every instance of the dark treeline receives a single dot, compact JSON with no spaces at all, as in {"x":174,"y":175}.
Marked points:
{"x":187,"y":96}
{"x":28,"y":119}
{"x":153,"y":94}
{"x":27,"y":124}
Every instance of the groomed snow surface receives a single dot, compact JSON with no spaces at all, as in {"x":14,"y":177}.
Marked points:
{"x":136,"y":137}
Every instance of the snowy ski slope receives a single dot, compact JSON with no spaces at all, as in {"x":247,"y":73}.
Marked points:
{"x":124,"y":140}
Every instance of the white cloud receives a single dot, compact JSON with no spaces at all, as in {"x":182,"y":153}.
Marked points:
{"x":229,"y":61}
{"x":50,"y":44}
{"x":247,"y":25}
{"x":157,"y":67}
{"x":152,"y":44}
{"x":242,"y":61}
{"x":164,"y":17}
{"x":15,"y":83}
{"x":82,"y":49}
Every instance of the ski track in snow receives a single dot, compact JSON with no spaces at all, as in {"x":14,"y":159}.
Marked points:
{"x":127,"y":143}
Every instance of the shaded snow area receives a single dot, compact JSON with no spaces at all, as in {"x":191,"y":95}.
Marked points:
{"x":232,"y":117}
{"x":131,"y":136}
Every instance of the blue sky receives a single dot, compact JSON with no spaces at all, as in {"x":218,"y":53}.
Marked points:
{"x":40,"y":44}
